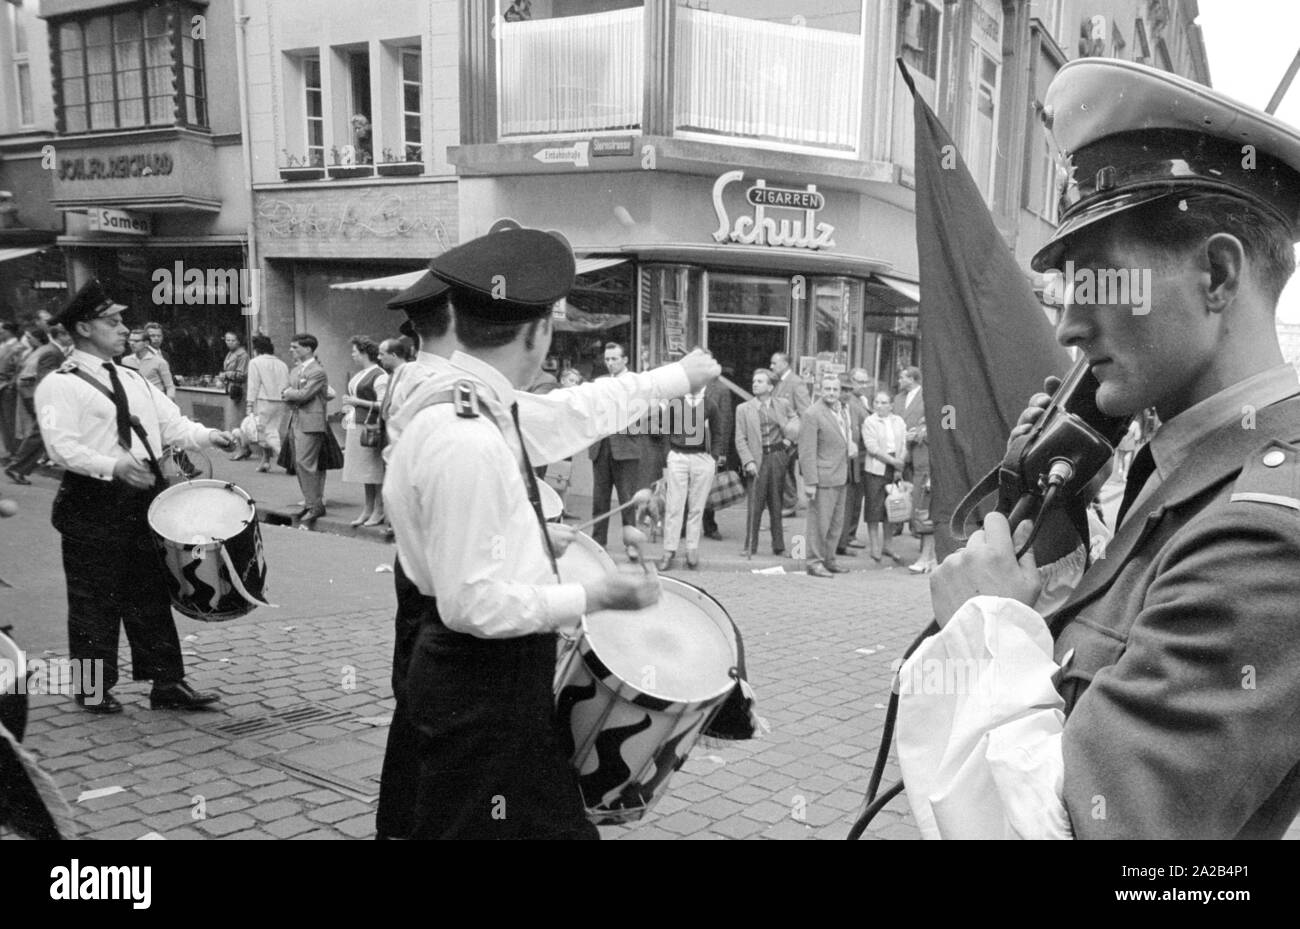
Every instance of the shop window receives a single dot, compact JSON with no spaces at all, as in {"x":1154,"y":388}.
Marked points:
{"x":788,"y":73}
{"x":746,"y":295}
{"x":599,"y":309}
{"x":119,"y":70}
{"x":671,"y":298}
{"x":827,"y":319}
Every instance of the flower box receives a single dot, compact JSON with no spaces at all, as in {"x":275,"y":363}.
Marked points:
{"x":302,"y":174}
{"x":343,"y":172}
{"x":400,"y":169}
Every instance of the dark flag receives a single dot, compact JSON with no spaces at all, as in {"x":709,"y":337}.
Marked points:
{"x":986,"y":343}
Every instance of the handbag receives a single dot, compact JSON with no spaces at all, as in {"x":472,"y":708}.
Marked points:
{"x":898,"y":502}
{"x":726,"y":490}
{"x":921,"y":523}
{"x":373,"y":435}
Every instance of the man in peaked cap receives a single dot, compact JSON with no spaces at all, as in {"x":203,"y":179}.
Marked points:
{"x":1178,"y":652}
{"x":105,"y":424}
{"x":472,"y":544}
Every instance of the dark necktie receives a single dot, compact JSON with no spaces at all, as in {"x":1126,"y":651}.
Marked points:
{"x":534,"y":495}
{"x":123,"y":409}
{"x":1138,"y":473}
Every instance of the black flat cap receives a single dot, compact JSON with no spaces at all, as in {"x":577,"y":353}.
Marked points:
{"x":426,"y":293}
{"x":90,"y":302}
{"x":509,"y":275}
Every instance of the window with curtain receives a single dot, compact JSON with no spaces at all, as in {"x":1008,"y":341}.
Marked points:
{"x":22,"y":66}
{"x":315,"y":110}
{"x":786,"y":72}
{"x":411,"y":104}
{"x":118,"y":70}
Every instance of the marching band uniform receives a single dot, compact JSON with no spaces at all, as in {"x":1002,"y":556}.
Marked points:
{"x":113,"y":572}
{"x":478,"y":688}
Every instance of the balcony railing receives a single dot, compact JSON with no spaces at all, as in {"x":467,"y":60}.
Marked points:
{"x":769,"y":81}
{"x":572,"y":74}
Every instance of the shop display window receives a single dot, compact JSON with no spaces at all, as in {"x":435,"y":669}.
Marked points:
{"x":600,"y":309}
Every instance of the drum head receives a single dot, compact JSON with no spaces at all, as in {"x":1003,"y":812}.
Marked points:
{"x":201,"y":511}
{"x":584,"y":560}
{"x":681,"y":649}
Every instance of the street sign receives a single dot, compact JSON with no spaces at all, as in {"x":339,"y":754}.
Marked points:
{"x":119,"y":221}
{"x":575,"y":155}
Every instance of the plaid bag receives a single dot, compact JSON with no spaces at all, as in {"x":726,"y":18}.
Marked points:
{"x":726,"y":490}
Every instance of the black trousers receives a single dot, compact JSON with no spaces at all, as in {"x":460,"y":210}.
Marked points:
{"x":765,"y":493}
{"x":115,"y":579}
{"x":612,"y":474}
{"x":31,"y":448}
{"x":399,"y":778}
{"x":854,"y":494}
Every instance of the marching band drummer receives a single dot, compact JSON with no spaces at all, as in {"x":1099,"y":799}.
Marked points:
{"x":553,"y":426}
{"x":104,"y":424}
{"x":464,"y":505}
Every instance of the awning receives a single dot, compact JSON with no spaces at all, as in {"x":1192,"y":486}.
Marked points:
{"x":395,"y":283}
{"x":9,"y":253}
{"x":906,"y":288}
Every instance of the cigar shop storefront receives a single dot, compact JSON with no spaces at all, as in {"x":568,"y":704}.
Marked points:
{"x":741,"y":262}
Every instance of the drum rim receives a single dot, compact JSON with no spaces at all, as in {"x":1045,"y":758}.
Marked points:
{"x":587,"y":648}
{"x":177,"y":489}
{"x":588,"y":544}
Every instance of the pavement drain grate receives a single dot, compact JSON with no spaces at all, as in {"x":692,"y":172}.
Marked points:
{"x":293,"y":717}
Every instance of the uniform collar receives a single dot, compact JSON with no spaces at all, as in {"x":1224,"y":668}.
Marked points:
{"x":85,"y":360}
{"x":1174,"y":440}
{"x":435,"y":363}
{"x":493,"y":379}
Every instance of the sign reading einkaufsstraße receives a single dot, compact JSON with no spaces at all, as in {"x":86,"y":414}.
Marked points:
{"x":139,"y":164}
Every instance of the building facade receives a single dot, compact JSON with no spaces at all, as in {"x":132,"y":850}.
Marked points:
{"x":351,"y":112}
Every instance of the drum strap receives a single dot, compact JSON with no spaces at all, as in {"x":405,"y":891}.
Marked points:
{"x":136,"y":426}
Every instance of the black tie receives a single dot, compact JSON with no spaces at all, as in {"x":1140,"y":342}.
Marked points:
{"x":123,"y":409}
{"x":534,"y":495}
{"x":1138,"y":473}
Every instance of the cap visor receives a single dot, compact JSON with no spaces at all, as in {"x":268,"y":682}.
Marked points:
{"x":1049,"y":256}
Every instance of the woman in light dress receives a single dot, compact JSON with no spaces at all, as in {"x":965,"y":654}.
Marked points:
{"x":363,"y":465}
{"x":267,"y":378}
{"x":885,"y":436}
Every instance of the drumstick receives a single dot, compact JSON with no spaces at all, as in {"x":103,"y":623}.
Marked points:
{"x":640,"y":498}
{"x":731,"y":385}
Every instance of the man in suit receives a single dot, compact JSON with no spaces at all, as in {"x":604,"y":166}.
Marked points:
{"x":1179,"y":651}
{"x":721,"y":398}
{"x":825,"y":447}
{"x":858,"y":401}
{"x":13,"y":349}
{"x":763,"y":427}
{"x":306,"y":396}
{"x":616,"y":459}
{"x":44,"y":359}
{"x":791,"y":388}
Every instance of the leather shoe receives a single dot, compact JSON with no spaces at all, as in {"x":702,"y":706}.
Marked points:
{"x":178,"y":695}
{"x":778,"y":552}
{"x":846,"y":553}
{"x":713,"y":534}
{"x":16,"y":477}
{"x":668,"y":561}
{"x":313,"y":514}
{"x":240,"y":456}
{"x":107,"y":705}
{"x":818,"y":571}
{"x":693,"y":560}
{"x":787,"y":513}
{"x":837,"y":569}
{"x":854,"y":543}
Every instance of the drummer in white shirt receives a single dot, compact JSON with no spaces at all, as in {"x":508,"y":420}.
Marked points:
{"x":105,"y":424}
{"x":478,"y":686}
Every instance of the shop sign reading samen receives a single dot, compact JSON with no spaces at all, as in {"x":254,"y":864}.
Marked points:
{"x":761,"y":229}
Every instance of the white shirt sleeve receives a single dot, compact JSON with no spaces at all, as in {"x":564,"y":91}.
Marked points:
{"x":564,"y":422}
{"x":476,"y":552}
{"x":58,"y":411}
{"x":175,"y":428}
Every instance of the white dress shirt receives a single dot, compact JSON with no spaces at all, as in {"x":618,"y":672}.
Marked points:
{"x":79,"y":424}
{"x":458,"y":502}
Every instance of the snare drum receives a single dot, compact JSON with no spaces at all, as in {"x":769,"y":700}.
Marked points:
{"x":13,"y":689}
{"x":207,"y":534}
{"x":635,"y":693}
{"x":584,"y":560}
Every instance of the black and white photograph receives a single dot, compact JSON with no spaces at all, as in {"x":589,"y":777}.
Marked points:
{"x":651,"y":419}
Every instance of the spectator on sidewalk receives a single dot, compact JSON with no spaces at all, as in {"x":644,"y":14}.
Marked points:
{"x":696,"y":443}
{"x":146,"y":359}
{"x":885,"y":435}
{"x":364,"y":464}
{"x":790,"y":387}
{"x":13,"y":349}
{"x":763,"y":427}
{"x":306,"y":396}
{"x":48,"y":352}
{"x":616,"y":460}
{"x":268,"y":376}
{"x":825,"y":447}
{"x":234,"y":376}
{"x":856,"y":400}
